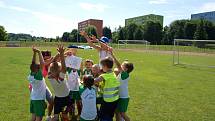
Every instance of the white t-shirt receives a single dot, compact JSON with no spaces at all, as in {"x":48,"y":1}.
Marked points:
{"x":38,"y":91}
{"x":88,"y":98}
{"x":103,"y":54}
{"x":123,"y":77}
{"x":60,"y":87}
{"x":73,"y":81}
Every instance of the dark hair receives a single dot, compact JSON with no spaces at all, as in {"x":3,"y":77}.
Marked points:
{"x":129,"y":66}
{"x":108,"y":61}
{"x":46,"y":53}
{"x":88,"y":81}
{"x":89,"y":61}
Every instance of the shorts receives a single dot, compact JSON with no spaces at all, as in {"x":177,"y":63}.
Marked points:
{"x":99,"y":100}
{"x":75,"y":95}
{"x":81,"y":119}
{"x":38,"y":107}
{"x":107,"y":110}
{"x":122,"y":104}
{"x":60,"y":103}
{"x":49,"y":96}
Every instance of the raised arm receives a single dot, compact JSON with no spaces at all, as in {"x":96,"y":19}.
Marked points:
{"x":89,"y":41}
{"x":42,"y":63}
{"x":61,"y":50}
{"x":34,"y":55}
{"x":118,"y":65}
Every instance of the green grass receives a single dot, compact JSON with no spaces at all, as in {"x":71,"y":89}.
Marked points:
{"x":158,"y":90}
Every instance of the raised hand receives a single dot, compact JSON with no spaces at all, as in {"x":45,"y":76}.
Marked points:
{"x":61,"y":49}
{"x":93,"y":38}
{"x":83,"y":33}
{"x":34,"y":49}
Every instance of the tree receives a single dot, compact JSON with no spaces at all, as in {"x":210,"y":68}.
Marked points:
{"x":3,"y":34}
{"x":107,"y":32}
{"x":189,"y":30}
{"x":153,"y":32}
{"x":66,"y":37}
{"x":131,"y":28}
{"x":166,"y":39}
{"x":91,"y":30}
{"x":122,"y":33}
{"x":210,"y":29}
{"x":200,"y":33}
{"x":73,"y":35}
{"x":177,"y":29}
{"x":115,"y":37}
{"x":138,"y":35}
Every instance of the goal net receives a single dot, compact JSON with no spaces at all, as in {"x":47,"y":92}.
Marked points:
{"x":199,"y":53}
{"x":143,"y":44}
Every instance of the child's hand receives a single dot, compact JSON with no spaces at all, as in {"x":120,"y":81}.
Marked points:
{"x":110,"y":49}
{"x":94,"y":39}
{"x":83,"y":33}
{"x":35,"y":50}
{"x":61,"y":49}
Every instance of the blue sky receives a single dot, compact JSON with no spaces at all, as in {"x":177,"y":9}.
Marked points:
{"x":50,"y":18}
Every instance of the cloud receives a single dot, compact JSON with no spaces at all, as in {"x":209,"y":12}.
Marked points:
{"x":50,"y":25}
{"x":158,"y":2}
{"x":93,"y":7}
{"x":206,"y":7}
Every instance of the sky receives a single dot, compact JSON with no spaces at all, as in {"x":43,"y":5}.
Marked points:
{"x":50,"y":18}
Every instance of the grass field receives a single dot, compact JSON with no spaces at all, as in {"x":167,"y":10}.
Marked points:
{"x":159,"y":91}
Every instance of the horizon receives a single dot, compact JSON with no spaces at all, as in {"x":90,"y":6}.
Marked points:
{"x":51,"y":18}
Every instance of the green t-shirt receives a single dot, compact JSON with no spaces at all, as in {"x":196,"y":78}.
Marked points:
{"x":37,"y":75}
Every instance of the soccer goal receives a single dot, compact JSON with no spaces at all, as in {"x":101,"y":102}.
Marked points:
{"x":143,"y":44}
{"x":199,"y":53}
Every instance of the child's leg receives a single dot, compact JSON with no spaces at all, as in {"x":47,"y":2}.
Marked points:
{"x":50,"y":100}
{"x":124,"y":116}
{"x":79,"y":106}
{"x":38,"y":118}
{"x":33,"y":117}
{"x":55,"y":118}
{"x":118,"y":116}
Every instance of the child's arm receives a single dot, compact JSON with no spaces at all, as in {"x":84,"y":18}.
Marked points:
{"x":49,"y":61}
{"x":83,"y":33}
{"x":61,"y":50}
{"x":34,"y":55}
{"x":118,"y":65}
{"x":42,"y":63}
{"x":99,"y":79}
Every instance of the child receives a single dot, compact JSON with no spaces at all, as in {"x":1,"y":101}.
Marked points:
{"x":56,"y":76}
{"x":103,"y":48}
{"x":122,"y":71}
{"x":88,"y":97}
{"x":111,"y":90}
{"x":73,"y":82}
{"x":88,"y":67}
{"x":38,"y":93}
{"x":48,"y":60}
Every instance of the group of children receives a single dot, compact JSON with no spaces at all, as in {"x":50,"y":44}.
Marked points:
{"x":98,"y":90}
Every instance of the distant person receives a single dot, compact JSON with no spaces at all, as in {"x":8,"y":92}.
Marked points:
{"x":38,"y":92}
{"x":122,"y":72}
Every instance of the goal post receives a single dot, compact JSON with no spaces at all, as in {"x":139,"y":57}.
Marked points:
{"x":185,"y":52}
{"x":124,"y":43}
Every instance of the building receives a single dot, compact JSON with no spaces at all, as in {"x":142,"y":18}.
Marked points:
{"x":97,"y":23}
{"x":210,"y":16}
{"x":142,"y":19}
